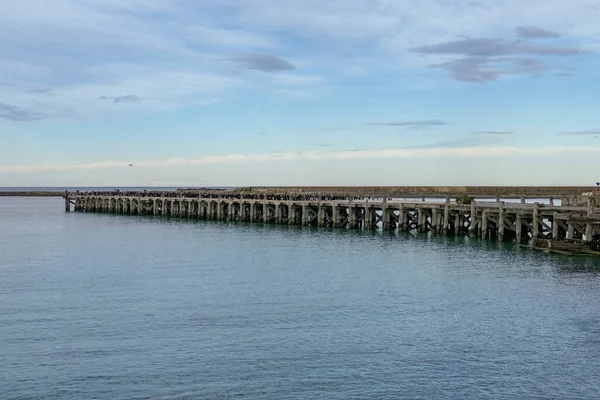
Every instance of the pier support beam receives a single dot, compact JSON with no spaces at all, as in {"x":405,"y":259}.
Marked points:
{"x":402,"y":219}
{"x":352,"y":221}
{"x":473,"y":221}
{"x":588,"y":227}
{"x":535,"y":225}
{"x":555,"y":226}
{"x":484,"y":224}
{"x":501,"y":222}
{"x":368,"y":219}
{"x":435,"y":221}
{"x":446,"y":220}
{"x":335,"y":214}
{"x":320,"y":215}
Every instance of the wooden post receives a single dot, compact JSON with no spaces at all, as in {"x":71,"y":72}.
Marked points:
{"x":335,"y":213}
{"x":588,"y":226}
{"x":368,"y":218}
{"x":446,"y":221}
{"x":473,"y":222}
{"x":420,"y":218}
{"x":67,"y":202}
{"x":484,"y":224}
{"x":518,"y":227}
{"x":501,"y":221}
{"x":458,"y":224}
{"x":570,"y":231}
{"x":555,"y":226}
{"x":402,"y":219}
{"x":385,"y":216}
{"x":320,"y":213}
{"x":352,"y":222}
{"x":534,"y":223}
{"x":277,"y":213}
{"x":434,"y":221}
{"x":305,"y":216}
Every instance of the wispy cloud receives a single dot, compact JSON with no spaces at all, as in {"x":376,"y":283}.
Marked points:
{"x":448,"y":150}
{"x":589,"y":132}
{"x":19,"y":114}
{"x":416,"y":124}
{"x":40,"y":90}
{"x":492,"y":133}
{"x":123,"y":99}
{"x":495,"y":47}
{"x":534,"y":32}
{"x":486,"y":60}
{"x":264,"y":62}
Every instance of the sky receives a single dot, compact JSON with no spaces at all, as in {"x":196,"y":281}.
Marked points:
{"x":299,"y":92}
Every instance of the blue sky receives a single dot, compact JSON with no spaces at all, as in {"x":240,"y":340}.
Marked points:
{"x":263,"y":92}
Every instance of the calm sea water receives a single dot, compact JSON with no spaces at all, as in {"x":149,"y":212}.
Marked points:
{"x":117,"y":307}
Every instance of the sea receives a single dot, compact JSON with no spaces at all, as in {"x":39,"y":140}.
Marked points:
{"x":97,"y":306}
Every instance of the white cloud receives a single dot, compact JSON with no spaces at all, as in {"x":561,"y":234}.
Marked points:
{"x":424,"y":153}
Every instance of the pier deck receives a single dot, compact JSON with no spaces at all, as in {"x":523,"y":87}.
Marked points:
{"x":501,"y":220}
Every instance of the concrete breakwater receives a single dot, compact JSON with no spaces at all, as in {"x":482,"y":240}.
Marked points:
{"x":501,"y":220}
{"x":32,"y":193}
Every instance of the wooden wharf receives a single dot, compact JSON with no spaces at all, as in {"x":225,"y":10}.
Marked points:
{"x":501,"y":220}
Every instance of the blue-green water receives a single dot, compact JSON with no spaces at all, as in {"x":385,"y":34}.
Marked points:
{"x":115,"y":307}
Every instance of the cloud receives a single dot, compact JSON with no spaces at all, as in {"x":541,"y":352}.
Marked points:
{"x":589,"y":132}
{"x":40,"y":90}
{"x":494,"y":47}
{"x":488,"y":69}
{"x":492,"y":132}
{"x":19,"y":114}
{"x":533,"y":32}
{"x":417,"y":124}
{"x":264,"y":62}
{"x":447,"y":150}
{"x":321,"y":145}
{"x":487,"y":59}
{"x":472,"y":69}
{"x":123,"y":99}
{"x":460,"y":143}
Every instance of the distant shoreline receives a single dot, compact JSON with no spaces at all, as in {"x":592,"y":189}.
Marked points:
{"x":32,"y":194}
